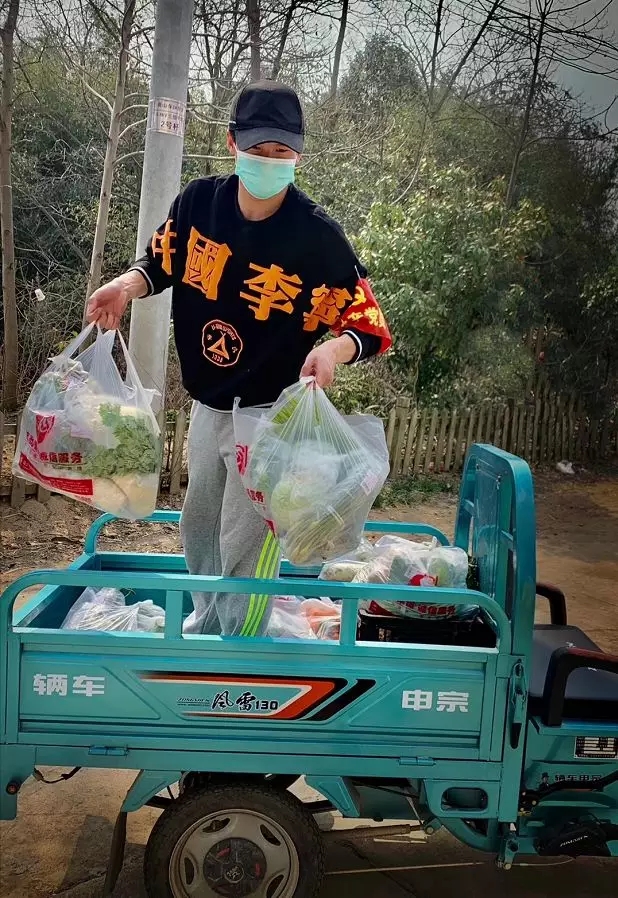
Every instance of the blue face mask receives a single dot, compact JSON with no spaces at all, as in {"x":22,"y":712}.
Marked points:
{"x":264,"y":178}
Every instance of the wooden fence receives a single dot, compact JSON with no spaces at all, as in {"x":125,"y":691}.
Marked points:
{"x":544,"y":430}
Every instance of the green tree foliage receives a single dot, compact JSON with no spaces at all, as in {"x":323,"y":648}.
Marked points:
{"x":449,"y":262}
{"x":423,"y":196}
{"x":584,"y":349}
{"x":59,"y":143}
{"x":380,"y":78}
{"x":460,"y":278}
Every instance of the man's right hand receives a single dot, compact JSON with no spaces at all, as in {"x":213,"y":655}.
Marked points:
{"x":108,"y":304}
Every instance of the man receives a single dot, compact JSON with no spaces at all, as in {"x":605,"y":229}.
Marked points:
{"x":259,"y":274}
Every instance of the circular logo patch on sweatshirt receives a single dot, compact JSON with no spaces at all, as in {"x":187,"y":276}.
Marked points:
{"x":221,"y":344}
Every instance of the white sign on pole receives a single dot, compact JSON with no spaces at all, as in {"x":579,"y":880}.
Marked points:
{"x":167,"y":116}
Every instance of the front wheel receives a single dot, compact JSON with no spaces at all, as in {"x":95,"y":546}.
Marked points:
{"x":246,"y":841}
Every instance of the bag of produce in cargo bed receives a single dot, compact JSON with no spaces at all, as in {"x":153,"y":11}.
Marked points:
{"x":87,"y":433}
{"x":404,"y":562}
{"x":311,"y":473}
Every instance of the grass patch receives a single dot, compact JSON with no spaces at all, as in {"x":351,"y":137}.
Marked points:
{"x":414,"y":490}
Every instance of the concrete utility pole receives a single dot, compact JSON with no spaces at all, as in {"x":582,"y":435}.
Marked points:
{"x":150,"y":318}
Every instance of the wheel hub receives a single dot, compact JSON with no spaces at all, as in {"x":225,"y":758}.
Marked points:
{"x":235,"y":853}
{"x":234,"y":868}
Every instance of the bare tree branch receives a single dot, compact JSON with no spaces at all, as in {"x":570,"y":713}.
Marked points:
{"x":343,"y":22}
{"x":113,"y":138}
{"x":254,"y":20}
{"x":9,"y":297}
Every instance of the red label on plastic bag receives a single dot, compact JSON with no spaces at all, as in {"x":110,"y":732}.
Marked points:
{"x":414,"y":609}
{"x":374,"y":608}
{"x":256,"y":497}
{"x":242,"y":458}
{"x":63,"y":484}
{"x":421,"y":579}
{"x":44,"y":425}
{"x":425,"y":610}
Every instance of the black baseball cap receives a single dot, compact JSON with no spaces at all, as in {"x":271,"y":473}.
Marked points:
{"x":267,"y":111}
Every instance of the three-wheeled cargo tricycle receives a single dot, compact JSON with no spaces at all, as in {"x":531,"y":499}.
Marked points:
{"x":502,"y":731}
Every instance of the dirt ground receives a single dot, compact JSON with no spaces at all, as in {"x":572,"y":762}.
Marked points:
{"x":60,"y":841}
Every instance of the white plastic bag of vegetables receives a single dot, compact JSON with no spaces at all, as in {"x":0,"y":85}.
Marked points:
{"x":404,"y":562}
{"x":107,"y":609}
{"x":89,"y":434}
{"x":310,"y":472}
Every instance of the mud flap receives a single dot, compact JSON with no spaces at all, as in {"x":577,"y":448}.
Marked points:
{"x":116,"y":854}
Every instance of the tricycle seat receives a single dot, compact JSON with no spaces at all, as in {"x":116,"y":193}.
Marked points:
{"x":590,"y":694}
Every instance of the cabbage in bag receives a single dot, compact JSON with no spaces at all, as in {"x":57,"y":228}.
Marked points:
{"x":404,"y":562}
{"x":89,"y":434}
{"x":310,"y":472}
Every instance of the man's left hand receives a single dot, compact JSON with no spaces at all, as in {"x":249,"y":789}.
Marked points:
{"x":322,"y":361}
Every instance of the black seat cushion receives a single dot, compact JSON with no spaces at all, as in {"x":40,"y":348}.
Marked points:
{"x":590,"y":694}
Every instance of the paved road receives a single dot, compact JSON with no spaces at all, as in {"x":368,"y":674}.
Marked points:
{"x":59,"y":845}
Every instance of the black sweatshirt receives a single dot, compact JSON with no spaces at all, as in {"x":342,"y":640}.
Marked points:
{"x":250,"y":298}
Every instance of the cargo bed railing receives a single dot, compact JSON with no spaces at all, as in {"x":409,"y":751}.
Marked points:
{"x":165,"y":516}
{"x":175,"y":585}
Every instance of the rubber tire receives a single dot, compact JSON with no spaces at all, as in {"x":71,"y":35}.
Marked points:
{"x":182,"y":814}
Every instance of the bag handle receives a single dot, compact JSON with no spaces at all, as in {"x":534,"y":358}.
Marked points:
{"x":103,"y":368}
{"x":102,"y":360}
{"x":74,"y":345}
{"x":146,"y":396}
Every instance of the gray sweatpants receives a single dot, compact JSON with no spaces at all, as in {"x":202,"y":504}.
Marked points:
{"x":222,"y":533}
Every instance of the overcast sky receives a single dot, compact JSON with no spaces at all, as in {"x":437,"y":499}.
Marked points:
{"x":597,"y":90}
